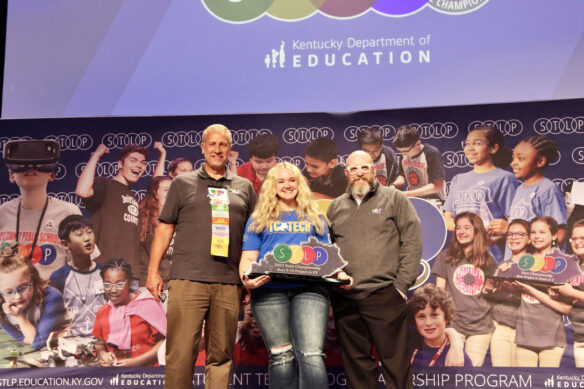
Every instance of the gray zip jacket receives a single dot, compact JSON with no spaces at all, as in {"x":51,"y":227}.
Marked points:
{"x":381,"y":239}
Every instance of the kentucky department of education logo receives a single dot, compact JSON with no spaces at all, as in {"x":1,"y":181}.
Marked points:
{"x":276,"y":57}
{"x":456,"y":7}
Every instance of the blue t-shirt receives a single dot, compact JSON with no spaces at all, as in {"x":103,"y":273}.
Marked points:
{"x":83,"y":293}
{"x":426,"y":353}
{"x":288,"y":229}
{"x":488,"y":194}
{"x":542,"y":199}
{"x":51,"y":317}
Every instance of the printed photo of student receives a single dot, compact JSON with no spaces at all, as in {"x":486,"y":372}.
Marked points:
{"x":325,"y":176}
{"x":131,"y":326}
{"x":175,"y":167}
{"x":541,"y":337}
{"x":574,"y":291}
{"x":31,"y":308}
{"x":111,"y":203}
{"x":250,"y":348}
{"x":79,"y":280}
{"x":462,"y":269}
{"x":487,"y":190}
{"x":386,"y":162}
{"x":537,"y":195}
{"x":506,"y":298}
{"x":420,"y":165}
{"x":32,"y":218}
{"x":262,"y":151}
{"x":179,"y":166}
{"x":432,"y":311}
{"x":149,"y":209}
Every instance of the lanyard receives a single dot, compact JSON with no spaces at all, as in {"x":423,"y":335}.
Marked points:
{"x":219,"y":200}
{"x":436,"y":356}
{"x":36,"y":235}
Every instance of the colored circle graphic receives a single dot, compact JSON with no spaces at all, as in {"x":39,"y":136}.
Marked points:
{"x":321,"y":256}
{"x":297,"y":255}
{"x":399,"y":7}
{"x":343,"y":8}
{"x":549,"y":265}
{"x":282,"y":253}
{"x":526,"y":262}
{"x":238,"y":11}
{"x":293,"y":10}
{"x":309,"y":255}
{"x":538,"y":262}
{"x":561,"y":265}
{"x":433,"y":227}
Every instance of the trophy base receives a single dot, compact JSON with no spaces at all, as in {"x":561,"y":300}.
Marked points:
{"x":299,"y":279}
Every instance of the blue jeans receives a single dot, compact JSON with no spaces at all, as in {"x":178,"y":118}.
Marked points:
{"x":293,"y":323}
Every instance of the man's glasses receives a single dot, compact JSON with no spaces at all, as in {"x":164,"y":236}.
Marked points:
{"x":477,"y":142}
{"x":363,"y":168}
{"x":117,"y":285}
{"x":579,"y":239}
{"x":516,"y":235}
{"x":20,"y":291}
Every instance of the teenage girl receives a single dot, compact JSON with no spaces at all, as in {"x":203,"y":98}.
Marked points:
{"x":461,"y":270}
{"x":537,"y":195}
{"x":292,"y":318}
{"x":575,"y":292}
{"x":505,"y":301}
{"x":131,"y":327}
{"x":487,"y":190}
{"x":31,"y":309}
{"x":540,"y":337}
{"x":149,"y":209}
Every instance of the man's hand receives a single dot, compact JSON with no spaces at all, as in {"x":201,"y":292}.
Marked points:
{"x":154,"y":284}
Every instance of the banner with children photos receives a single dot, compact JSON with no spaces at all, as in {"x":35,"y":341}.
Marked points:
{"x":444,"y":128}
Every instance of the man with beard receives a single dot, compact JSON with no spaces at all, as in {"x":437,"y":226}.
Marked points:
{"x":379,"y":234}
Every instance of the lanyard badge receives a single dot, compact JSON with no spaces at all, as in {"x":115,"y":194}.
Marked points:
{"x":219,"y":201}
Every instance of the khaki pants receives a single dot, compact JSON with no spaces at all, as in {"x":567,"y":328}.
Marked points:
{"x":476,"y":347}
{"x":579,"y":354}
{"x":190,"y":303}
{"x":503,"y":347}
{"x":542,"y":357}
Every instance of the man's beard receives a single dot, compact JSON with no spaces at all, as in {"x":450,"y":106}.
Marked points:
{"x":359,"y":189}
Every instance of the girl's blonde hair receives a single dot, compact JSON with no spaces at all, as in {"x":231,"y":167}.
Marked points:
{"x":267,"y":210}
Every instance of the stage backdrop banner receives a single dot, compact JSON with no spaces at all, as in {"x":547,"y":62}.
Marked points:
{"x":444,"y":128}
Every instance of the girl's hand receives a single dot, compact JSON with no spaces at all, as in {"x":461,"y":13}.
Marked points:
{"x":525,"y":287}
{"x":256,"y":282}
{"x":498,"y":227}
{"x":504,"y":266}
{"x":564,"y":290}
{"x":12,"y":309}
{"x":107,"y":358}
